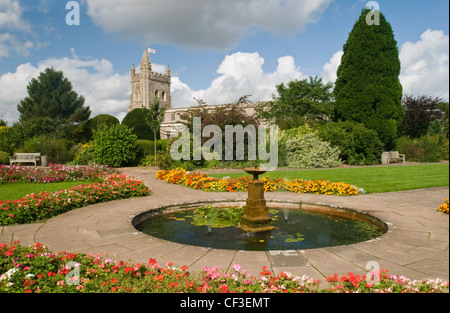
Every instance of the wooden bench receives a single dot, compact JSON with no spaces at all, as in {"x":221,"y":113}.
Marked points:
{"x":392,"y":156}
{"x":25,"y":158}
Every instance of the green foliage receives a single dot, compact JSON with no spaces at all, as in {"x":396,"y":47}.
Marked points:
{"x":4,"y":157}
{"x":368,"y":88}
{"x":146,"y":147}
{"x":136,"y":120}
{"x":420,"y":113}
{"x":84,"y":154}
{"x":115,"y":146}
{"x":148,"y":160}
{"x":228,"y":115}
{"x":424,"y":149}
{"x":106,"y":119}
{"x":435,"y":128}
{"x":5,"y":139}
{"x":308,"y":151}
{"x":58,"y":151}
{"x":52,"y":107}
{"x":304,"y":100}
{"x":445,"y":122}
{"x":358,"y":145}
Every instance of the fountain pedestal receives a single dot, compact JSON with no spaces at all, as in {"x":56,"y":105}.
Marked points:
{"x":256,"y":215}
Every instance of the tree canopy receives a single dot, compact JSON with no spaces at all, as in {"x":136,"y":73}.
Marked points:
{"x":53,"y":107}
{"x":300,"y":100}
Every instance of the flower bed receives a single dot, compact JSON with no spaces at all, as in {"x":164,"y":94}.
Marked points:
{"x":46,"y":204}
{"x":36,"y":269}
{"x":201,"y":181}
{"x":444,"y":207}
{"x":53,"y":174}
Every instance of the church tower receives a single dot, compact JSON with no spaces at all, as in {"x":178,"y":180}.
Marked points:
{"x":148,"y":86}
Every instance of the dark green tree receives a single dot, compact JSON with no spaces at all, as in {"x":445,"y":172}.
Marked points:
{"x":420,"y":113}
{"x":136,"y":120}
{"x":300,"y":101}
{"x":368,"y":89}
{"x":53,"y":107}
{"x":106,"y":119}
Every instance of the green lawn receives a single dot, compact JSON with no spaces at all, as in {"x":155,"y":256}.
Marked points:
{"x":20,"y":190}
{"x":373,"y":179}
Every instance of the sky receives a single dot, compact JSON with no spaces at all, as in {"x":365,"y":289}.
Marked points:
{"x":218,"y":50}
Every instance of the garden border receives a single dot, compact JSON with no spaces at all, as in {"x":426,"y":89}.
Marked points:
{"x":416,"y":245}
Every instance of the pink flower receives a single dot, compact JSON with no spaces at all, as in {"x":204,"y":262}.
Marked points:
{"x":236,"y":267}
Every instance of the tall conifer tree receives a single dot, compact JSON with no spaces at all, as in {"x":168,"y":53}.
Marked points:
{"x":368,"y":88}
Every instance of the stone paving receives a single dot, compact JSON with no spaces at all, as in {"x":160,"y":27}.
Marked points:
{"x":416,"y":244}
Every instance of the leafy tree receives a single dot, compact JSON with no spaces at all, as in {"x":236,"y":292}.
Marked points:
{"x":368,"y":88}
{"x":232,"y":114}
{"x":420,"y":113}
{"x":303,"y":99}
{"x":154,"y":119}
{"x":53,"y":107}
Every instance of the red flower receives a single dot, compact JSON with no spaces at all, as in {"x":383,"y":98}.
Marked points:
{"x":223,"y":288}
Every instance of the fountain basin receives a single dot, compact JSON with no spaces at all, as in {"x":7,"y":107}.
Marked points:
{"x":308,"y":227}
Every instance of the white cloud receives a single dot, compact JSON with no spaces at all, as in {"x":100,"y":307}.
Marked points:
{"x":425,"y":65}
{"x":240,"y":74}
{"x":11,"y":23}
{"x":329,"y":72}
{"x":106,"y":92}
{"x":215,"y":24}
{"x":11,"y":16}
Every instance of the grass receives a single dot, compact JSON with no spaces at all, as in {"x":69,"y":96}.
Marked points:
{"x":20,"y":190}
{"x":375,"y":179}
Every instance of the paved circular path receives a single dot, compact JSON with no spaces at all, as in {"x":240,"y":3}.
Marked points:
{"x":416,"y":244}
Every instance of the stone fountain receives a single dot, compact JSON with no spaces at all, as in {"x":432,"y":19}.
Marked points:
{"x":256,"y":215}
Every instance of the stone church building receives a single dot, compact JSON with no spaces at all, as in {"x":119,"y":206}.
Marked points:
{"x":148,"y":86}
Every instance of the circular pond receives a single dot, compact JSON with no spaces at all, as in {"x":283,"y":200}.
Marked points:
{"x":297,"y":226}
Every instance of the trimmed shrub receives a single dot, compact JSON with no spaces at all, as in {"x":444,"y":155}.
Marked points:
{"x":135,"y":120}
{"x":106,"y":119}
{"x":115,"y":146}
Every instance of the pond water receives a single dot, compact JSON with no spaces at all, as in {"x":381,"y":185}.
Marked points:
{"x":295,"y":229}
